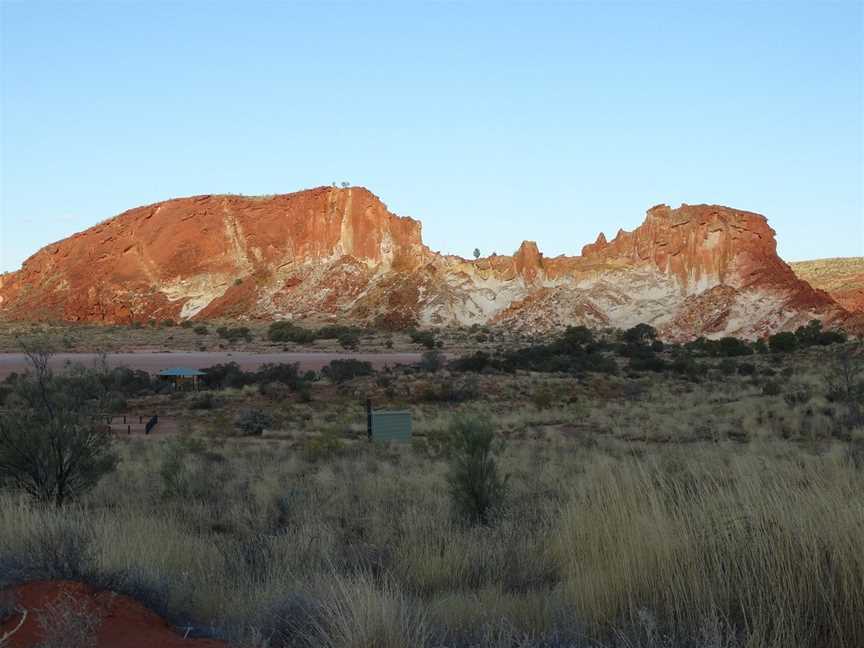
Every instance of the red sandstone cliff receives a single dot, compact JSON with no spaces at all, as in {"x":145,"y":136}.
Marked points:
{"x":331,"y":253}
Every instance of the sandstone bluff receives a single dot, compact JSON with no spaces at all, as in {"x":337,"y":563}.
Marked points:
{"x":339,"y":254}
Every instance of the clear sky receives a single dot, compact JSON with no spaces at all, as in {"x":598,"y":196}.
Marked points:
{"x":492,"y":123}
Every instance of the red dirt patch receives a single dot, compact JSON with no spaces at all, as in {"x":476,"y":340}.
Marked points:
{"x":125,"y":622}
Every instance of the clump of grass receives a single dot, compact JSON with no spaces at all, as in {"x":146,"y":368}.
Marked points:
{"x":359,"y":612}
{"x":477,"y":489}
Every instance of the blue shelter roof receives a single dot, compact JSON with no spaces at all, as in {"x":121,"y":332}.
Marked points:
{"x":181,"y":372}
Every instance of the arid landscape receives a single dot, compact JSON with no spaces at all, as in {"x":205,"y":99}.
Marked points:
{"x":643,"y":494}
{"x":338,"y":255}
{"x":431,"y":324}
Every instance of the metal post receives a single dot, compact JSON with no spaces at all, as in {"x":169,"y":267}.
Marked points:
{"x":369,"y":418}
{"x":128,"y":429}
{"x":124,"y":418}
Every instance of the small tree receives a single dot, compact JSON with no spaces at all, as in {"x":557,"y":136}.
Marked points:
{"x":783,"y":342}
{"x":425,"y":338}
{"x":343,"y":370}
{"x":349,"y":340}
{"x":477,"y":490}
{"x":476,"y":253}
{"x":640,"y":334}
{"x":846,"y":381}
{"x":51,"y":447}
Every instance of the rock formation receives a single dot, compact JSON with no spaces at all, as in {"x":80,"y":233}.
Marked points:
{"x":843,"y":279}
{"x":330,"y":254}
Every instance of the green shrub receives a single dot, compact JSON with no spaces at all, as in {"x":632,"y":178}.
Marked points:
{"x":235,"y":333}
{"x":728,"y":367}
{"x":451,"y":391}
{"x":476,"y":362}
{"x":321,"y":448}
{"x":205,"y":402}
{"x":732,"y":346}
{"x":771,"y":388}
{"x":813,"y":335}
{"x":640,"y":334}
{"x":253,"y":422}
{"x":573,"y":351}
{"x":746,"y":369}
{"x":782,"y":342}
{"x":476,"y":489}
{"x":289,"y":332}
{"x":542,"y":398}
{"x":285,"y":373}
{"x":342,"y":370}
{"x":432,"y":360}
{"x":201,"y":329}
{"x":51,"y":446}
{"x":349,"y":340}
{"x":225,"y":376}
{"x":424,"y":338}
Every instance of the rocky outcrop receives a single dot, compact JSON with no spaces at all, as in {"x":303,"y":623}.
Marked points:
{"x":843,"y":279}
{"x":339,"y":254}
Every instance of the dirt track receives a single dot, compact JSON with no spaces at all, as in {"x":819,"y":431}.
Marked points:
{"x":155,"y":362}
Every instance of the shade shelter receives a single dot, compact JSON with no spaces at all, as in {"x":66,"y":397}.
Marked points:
{"x":182,"y":377}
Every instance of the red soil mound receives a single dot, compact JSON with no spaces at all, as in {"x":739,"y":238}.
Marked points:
{"x":120,"y":622}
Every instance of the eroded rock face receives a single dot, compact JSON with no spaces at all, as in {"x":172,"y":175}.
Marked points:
{"x":843,"y":279}
{"x":339,"y":254}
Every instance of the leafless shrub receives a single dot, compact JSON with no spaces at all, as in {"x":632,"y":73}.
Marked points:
{"x":69,"y":622}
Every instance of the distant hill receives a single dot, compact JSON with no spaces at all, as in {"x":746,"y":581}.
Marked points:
{"x":340,"y":255}
{"x":842,"y":278}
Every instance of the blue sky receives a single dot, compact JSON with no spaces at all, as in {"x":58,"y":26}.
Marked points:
{"x":492,"y":123}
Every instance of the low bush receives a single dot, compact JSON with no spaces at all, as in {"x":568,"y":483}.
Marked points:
{"x":424,"y":338}
{"x":476,"y":362}
{"x":253,"y":422}
{"x":235,"y":333}
{"x":771,"y":388}
{"x":224,"y":376}
{"x":542,"y":398}
{"x":432,"y":360}
{"x":476,"y":488}
{"x":782,"y":342}
{"x":349,"y":340}
{"x":343,"y":370}
{"x":320,"y":448}
{"x":205,"y":401}
{"x":813,"y":335}
{"x":451,"y":390}
{"x":69,"y":622}
{"x":573,"y":351}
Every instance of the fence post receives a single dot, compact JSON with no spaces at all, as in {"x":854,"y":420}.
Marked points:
{"x":128,"y":429}
{"x":369,"y":418}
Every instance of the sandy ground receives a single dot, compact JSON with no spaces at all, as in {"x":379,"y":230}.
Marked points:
{"x":155,"y":362}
